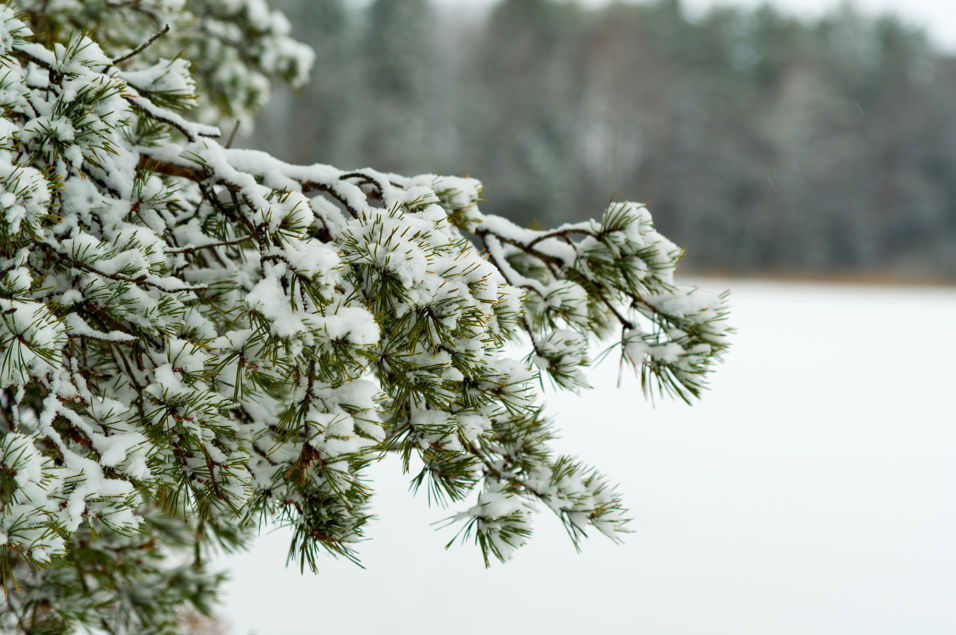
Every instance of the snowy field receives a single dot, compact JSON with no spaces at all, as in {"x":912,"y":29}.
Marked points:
{"x":813,"y":490}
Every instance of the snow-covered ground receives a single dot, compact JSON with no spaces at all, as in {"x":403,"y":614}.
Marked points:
{"x":813,"y":490}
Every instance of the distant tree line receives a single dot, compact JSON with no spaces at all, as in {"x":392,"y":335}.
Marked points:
{"x":761,"y":142}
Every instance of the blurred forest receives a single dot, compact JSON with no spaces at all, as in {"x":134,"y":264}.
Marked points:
{"x":761,"y":143}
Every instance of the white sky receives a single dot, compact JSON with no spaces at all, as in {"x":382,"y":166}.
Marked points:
{"x":938,"y":17}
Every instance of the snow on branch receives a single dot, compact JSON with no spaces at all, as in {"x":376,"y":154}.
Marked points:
{"x":214,"y":337}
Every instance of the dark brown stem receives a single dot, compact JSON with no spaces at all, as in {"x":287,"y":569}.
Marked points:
{"x":142,"y":47}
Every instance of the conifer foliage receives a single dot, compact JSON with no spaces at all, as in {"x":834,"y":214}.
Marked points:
{"x":195,"y":339}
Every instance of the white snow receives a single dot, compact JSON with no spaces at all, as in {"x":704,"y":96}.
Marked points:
{"x":811,"y":491}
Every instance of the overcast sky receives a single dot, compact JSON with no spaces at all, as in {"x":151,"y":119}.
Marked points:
{"x":938,"y":17}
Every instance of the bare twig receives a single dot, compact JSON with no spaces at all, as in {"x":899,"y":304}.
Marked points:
{"x":142,"y":47}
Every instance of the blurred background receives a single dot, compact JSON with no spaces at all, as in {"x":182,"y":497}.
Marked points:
{"x":811,"y":489}
{"x":807,"y":138}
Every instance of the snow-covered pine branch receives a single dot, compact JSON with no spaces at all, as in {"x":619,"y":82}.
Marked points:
{"x":195,"y":338}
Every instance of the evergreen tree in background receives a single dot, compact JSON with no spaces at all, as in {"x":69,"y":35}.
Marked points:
{"x":195,"y":339}
{"x":765,"y":143}
{"x":397,"y":58}
{"x":528,"y":66}
{"x":319,"y":111}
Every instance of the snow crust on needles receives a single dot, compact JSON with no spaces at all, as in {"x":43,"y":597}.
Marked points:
{"x":329,"y":310}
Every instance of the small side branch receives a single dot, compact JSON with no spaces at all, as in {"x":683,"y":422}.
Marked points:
{"x":142,"y":47}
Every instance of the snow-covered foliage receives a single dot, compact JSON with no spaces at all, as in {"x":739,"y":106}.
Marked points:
{"x":195,"y":338}
{"x":233,"y":47}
